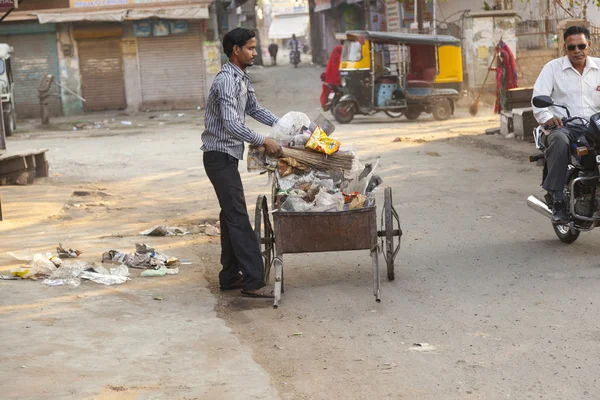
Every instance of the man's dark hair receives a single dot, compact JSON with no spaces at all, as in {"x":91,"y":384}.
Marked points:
{"x":577,"y":30}
{"x":236,"y":37}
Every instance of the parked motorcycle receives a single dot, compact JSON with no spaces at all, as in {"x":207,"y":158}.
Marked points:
{"x":295,"y":57}
{"x":336,"y":94}
{"x":583,"y":178}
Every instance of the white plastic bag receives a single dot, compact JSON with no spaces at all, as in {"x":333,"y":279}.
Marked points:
{"x":42,"y":265}
{"x":67,"y":274}
{"x":325,"y":201}
{"x":295,"y":204}
{"x":290,"y":125}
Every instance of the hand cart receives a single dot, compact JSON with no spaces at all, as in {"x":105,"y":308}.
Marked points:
{"x":311,"y":232}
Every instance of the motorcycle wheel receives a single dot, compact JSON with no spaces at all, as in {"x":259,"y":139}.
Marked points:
{"x":10,"y":124}
{"x":393,"y":114}
{"x":565,"y":233}
{"x":344,"y":112}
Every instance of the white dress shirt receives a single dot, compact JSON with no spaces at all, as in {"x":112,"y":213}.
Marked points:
{"x":579,"y":92}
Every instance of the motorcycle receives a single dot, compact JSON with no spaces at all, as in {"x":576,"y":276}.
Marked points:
{"x":583,"y":178}
{"x":295,"y":58}
{"x":332,"y":99}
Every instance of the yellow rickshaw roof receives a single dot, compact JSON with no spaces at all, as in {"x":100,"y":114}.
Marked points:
{"x":408,"y":38}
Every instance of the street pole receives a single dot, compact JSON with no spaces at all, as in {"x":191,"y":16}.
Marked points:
{"x":420,"y":16}
{"x":368,"y":15}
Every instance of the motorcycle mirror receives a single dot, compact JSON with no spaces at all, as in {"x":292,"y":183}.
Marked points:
{"x":542,"y":101}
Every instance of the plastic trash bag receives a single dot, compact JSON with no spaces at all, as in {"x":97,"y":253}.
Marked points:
{"x":42,"y":265}
{"x":286,"y":183}
{"x":295,"y":204}
{"x":325,"y":201}
{"x":289,"y":126}
{"x":160,"y":272}
{"x":359,"y":177}
{"x":67,"y":274}
{"x":104,"y":279}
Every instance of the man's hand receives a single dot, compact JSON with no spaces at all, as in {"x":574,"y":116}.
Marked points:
{"x":553,"y":123}
{"x":272,"y":147}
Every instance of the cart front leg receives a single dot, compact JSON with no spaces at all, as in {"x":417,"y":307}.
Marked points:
{"x":376,"y":278}
{"x":278,"y":264}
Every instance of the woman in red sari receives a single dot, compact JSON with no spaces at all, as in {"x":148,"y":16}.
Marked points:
{"x":332,"y":73}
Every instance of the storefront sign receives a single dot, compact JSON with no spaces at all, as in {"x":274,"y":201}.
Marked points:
{"x":212,"y":57}
{"x":279,"y":7}
{"x":108,"y":3}
{"x":378,"y":17}
{"x":322,"y":5}
{"x":393,"y":15}
{"x":9,"y":3}
{"x":142,"y":28}
{"x":160,"y":28}
{"x":178,"y":27}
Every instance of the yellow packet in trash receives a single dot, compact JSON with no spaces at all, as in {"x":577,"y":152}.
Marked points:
{"x":319,"y":141}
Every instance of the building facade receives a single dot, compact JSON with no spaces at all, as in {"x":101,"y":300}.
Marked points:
{"x":150,"y":55}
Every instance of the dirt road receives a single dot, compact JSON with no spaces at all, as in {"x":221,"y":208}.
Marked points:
{"x":507,"y":310}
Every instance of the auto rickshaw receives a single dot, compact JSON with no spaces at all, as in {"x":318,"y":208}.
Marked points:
{"x":427,"y":73}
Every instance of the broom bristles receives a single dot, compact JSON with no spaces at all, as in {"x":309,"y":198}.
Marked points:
{"x":474,"y":108}
{"x":321,"y":161}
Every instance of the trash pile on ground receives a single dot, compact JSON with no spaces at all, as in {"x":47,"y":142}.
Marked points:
{"x":144,"y":257}
{"x":65,"y":269}
{"x":315,"y":172}
{"x":162,"y":230}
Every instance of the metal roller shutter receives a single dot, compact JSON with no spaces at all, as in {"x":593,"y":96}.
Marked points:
{"x":35,"y":55}
{"x":172,"y":70}
{"x":102,"y":82}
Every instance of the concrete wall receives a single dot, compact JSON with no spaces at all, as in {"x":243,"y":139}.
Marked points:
{"x":68,"y":64}
{"x":531,"y":63}
{"x":446,"y":8}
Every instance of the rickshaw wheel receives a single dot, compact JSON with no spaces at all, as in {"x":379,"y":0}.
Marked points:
{"x":264,"y":234}
{"x":392,"y":114}
{"x":442,"y":110}
{"x":344,"y":112}
{"x":412,"y":115}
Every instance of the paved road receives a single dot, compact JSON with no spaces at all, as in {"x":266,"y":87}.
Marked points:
{"x":509,"y":312}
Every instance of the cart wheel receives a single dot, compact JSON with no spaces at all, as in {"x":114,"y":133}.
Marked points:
{"x":264,"y":234}
{"x":391,"y":227}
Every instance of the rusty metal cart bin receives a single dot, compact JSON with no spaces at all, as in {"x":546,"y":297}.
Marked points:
{"x":313,"y":232}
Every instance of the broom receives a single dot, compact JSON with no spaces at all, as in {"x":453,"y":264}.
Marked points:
{"x":320,"y":161}
{"x":474,"y":108}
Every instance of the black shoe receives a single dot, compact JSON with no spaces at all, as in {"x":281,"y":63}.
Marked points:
{"x":559,"y":213}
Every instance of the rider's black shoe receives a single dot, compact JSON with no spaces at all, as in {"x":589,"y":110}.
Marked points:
{"x":559,"y":213}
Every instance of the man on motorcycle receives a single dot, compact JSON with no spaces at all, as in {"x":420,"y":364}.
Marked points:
{"x":574,"y":81}
{"x":294,"y":46}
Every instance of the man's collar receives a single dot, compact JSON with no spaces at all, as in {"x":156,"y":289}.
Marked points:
{"x":589,"y":63}
{"x":237,"y":71}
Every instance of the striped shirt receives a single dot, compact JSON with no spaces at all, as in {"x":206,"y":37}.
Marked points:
{"x":230,"y":98}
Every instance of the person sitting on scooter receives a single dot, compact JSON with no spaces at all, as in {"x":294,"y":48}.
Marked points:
{"x":574,"y":81}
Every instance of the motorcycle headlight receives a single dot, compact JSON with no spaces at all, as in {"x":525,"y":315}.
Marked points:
{"x":343,"y":82}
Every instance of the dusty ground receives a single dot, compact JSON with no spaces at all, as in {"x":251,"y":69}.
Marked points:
{"x":508,"y":310}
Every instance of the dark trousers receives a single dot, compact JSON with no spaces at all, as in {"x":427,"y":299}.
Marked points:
{"x":239,"y":247}
{"x":557,"y":159}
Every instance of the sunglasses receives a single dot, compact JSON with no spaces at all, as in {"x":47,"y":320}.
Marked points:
{"x":581,"y":46}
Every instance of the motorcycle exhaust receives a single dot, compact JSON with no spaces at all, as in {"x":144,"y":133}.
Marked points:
{"x":539,"y":206}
